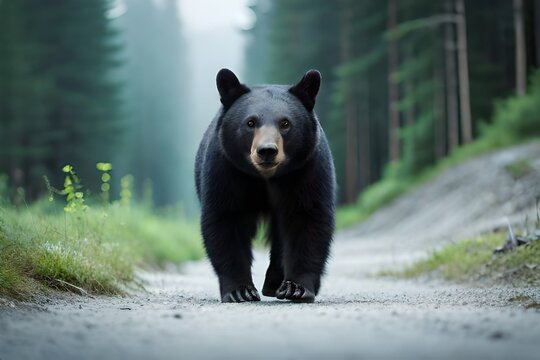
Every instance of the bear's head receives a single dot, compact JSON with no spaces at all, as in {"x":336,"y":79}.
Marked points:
{"x":268,"y":130}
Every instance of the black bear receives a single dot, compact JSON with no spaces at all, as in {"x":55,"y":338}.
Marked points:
{"x":265,"y":156}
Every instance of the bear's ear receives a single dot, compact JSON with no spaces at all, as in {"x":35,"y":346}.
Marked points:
{"x":307,"y":89}
{"x":229,"y":87}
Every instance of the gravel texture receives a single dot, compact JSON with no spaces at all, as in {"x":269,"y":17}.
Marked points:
{"x":355,"y":316}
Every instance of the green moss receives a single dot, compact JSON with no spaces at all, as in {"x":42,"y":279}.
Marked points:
{"x":473,"y":259}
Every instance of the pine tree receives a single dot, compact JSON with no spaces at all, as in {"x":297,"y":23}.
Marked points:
{"x":419,"y":33}
{"x":302,"y":36}
{"x":359,"y":94}
{"x":63,"y":105}
{"x":256,"y":61}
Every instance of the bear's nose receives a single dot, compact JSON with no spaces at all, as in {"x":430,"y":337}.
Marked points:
{"x":267,"y":152}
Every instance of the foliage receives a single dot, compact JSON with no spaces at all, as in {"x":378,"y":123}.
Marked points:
{"x":351,"y":42}
{"x":257,"y":47}
{"x":512,"y":116}
{"x":39,"y":244}
{"x":72,"y":191}
{"x":4,"y":189}
{"x":126,"y":192}
{"x":105,"y":169}
{"x":88,"y":249}
{"x":301,"y":35}
{"x":518,"y":116}
{"x":79,"y":85}
{"x":355,"y":127}
{"x":473,"y":259}
{"x":372,"y":198}
{"x":59,"y":103}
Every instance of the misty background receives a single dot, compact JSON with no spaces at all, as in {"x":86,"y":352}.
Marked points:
{"x":214,"y":40}
{"x":206,"y":41}
{"x":132,"y":82}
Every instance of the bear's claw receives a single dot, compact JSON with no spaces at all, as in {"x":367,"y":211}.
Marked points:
{"x":290,"y":290}
{"x":243,"y":293}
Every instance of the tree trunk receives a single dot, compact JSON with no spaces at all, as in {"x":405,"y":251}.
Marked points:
{"x":393,"y":91}
{"x":536,"y":30}
{"x":451,"y":80}
{"x":465,"y":104}
{"x":410,"y":113}
{"x":364,"y":131}
{"x":438,"y":115}
{"x":521,"y":62}
{"x":351,"y":173}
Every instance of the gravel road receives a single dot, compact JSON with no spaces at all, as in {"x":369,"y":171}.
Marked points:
{"x":355,"y":316}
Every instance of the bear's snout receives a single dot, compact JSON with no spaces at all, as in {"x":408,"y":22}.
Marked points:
{"x":267,"y":150}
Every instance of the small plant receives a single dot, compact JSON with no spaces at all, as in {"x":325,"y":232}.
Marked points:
{"x":4,"y":196}
{"x":148,"y":194}
{"x":126,"y":191}
{"x":537,"y":212}
{"x":105,"y":168}
{"x":72,"y":191}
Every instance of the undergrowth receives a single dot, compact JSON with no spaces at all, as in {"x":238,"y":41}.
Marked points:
{"x":474,"y":259}
{"x":88,"y":249}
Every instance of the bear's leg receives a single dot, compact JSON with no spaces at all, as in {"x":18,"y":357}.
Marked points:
{"x":274,"y":274}
{"x":228,"y":243}
{"x":306,"y":249}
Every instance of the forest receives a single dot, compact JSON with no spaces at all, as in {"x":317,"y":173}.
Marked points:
{"x":431,"y":109}
{"x":405,"y":83}
{"x":95,"y":87}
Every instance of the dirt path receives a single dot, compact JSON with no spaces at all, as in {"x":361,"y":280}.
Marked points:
{"x":180,"y":317}
{"x":355,"y":316}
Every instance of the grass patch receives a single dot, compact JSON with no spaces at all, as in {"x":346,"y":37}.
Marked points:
{"x":519,"y":168}
{"x":474,"y":260}
{"x":371,"y":199}
{"x":96,"y":249}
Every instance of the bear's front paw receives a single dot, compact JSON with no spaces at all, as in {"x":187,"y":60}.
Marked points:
{"x":241,"y":294}
{"x":295,"y":292}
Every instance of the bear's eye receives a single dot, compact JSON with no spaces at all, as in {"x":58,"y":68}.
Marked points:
{"x":250,"y":123}
{"x":284,"y":124}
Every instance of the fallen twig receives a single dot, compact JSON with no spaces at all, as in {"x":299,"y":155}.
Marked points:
{"x":80,"y":289}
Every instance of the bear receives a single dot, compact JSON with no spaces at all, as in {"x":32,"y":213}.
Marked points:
{"x":265,"y":156}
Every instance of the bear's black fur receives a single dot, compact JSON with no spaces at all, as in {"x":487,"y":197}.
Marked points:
{"x":265,"y":155}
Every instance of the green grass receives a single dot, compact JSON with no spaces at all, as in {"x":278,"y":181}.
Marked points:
{"x":474,"y":260}
{"x":371,"y":199}
{"x":96,"y":250}
{"x":519,"y":168}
